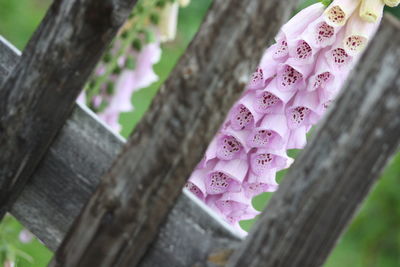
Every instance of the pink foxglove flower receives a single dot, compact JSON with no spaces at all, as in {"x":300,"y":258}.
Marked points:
{"x":130,"y":81}
{"x":297,"y":79}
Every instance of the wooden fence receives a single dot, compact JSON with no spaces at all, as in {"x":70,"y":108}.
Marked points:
{"x":56,"y":156}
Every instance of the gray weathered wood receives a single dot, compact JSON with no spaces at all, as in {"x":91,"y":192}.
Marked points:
{"x":36,"y":99}
{"x":335,"y":172}
{"x":125,"y":213}
{"x":9,"y":56}
{"x":69,"y":173}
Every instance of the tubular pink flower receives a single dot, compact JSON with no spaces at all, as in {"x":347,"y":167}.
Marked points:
{"x":302,"y":112}
{"x":359,"y":31}
{"x":196,"y":183}
{"x":301,"y":50}
{"x":267,"y":103}
{"x":219,"y":182}
{"x":228,"y":147}
{"x":271,"y":133}
{"x":257,"y":80}
{"x":297,"y":138}
{"x":243,"y":116}
{"x":280,"y":50}
{"x":322,"y":77}
{"x":289,"y":78}
{"x":236,"y":169}
{"x":255,"y":185}
{"x":320,"y":34}
{"x":297,"y":79}
{"x":274,"y":89}
{"x":339,"y":11}
{"x":268,"y":64}
{"x":241,"y":136}
{"x":296,"y":25}
{"x":265,"y":159}
{"x":337,"y":57}
{"x":234,"y":207}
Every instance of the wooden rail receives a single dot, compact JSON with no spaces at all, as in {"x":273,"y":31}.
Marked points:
{"x":69,"y":174}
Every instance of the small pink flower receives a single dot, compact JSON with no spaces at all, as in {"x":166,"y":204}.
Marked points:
{"x":339,"y":12}
{"x":271,"y":133}
{"x":25,"y":236}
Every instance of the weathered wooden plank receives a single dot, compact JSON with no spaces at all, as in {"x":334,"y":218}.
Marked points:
{"x":36,"y":99}
{"x":69,"y":173}
{"x":335,"y":172}
{"x":8,"y":59}
{"x":124,"y":215}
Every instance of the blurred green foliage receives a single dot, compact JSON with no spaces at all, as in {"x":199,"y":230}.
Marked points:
{"x":372,"y":239}
{"x":30,"y":254}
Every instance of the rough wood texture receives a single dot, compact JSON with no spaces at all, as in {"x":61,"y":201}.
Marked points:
{"x":69,"y":173}
{"x":9,"y":56}
{"x":335,"y":172}
{"x":124,"y":215}
{"x":36,"y":99}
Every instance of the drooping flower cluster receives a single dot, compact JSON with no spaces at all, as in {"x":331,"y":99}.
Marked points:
{"x":128,"y":81}
{"x":127,"y":65}
{"x":295,"y":82}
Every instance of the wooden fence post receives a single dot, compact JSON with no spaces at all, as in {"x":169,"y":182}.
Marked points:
{"x":124,"y":215}
{"x":69,"y":174}
{"x":36,"y":99}
{"x":335,"y":172}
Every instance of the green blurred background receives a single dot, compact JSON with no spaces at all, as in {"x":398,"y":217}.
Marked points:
{"x":372,"y":239}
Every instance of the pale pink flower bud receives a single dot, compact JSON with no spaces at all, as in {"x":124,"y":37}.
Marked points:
{"x":168,"y":22}
{"x":371,"y":10}
{"x":25,"y":236}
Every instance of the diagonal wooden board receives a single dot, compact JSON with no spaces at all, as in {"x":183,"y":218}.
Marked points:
{"x":69,"y":173}
{"x":37,"y":98}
